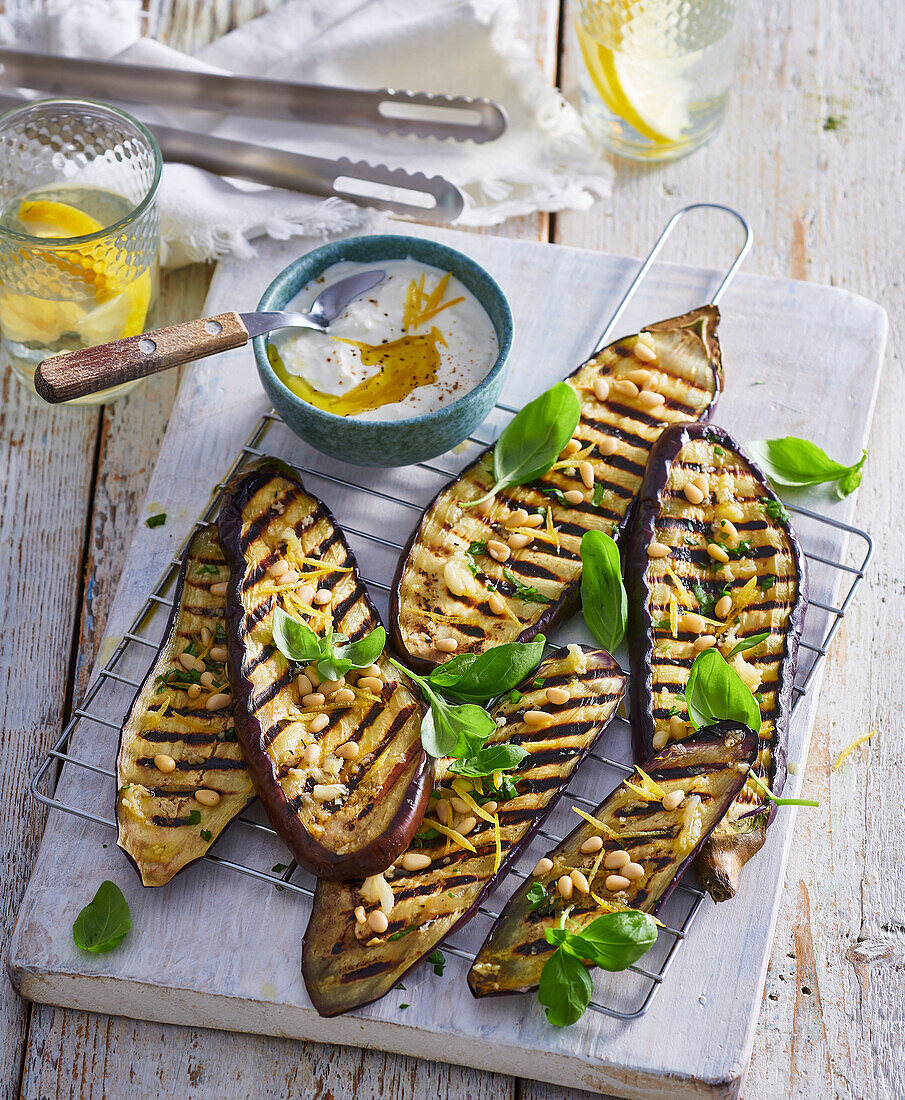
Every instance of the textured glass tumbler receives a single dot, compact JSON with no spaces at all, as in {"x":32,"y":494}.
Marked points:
{"x":79,"y":232}
{"x":655,"y":74}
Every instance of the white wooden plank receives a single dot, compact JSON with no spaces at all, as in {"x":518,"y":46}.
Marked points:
{"x":218,"y":400}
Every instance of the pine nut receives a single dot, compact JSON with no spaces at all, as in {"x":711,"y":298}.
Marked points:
{"x":164,"y":763}
{"x":565,"y":886}
{"x":371,"y":670}
{"x":377,"y":921}
{"x":460,"y":805}
{"x":571,"y":447}
{"x":616,"y":882}
{"x":218,"y":653}
{"x":360,"y":915}
{"x":644,"y":353}
{"x":348,"y":751}
{"x":722,"y":607}
{"x":319,"y":722}
{"x":587,"y":474}
{"x":592,"y":845}
{"x":706,"y":641}
{"x":304,"y":685}
{"x":206,"y":680}
{"x":614,"y":860}
{"x":454,"y":579}
{"x":371,"y":683}
{"x":466,"y":825}
{"x":415,"y":861}
{"x":314,"y":699}
{"x":624,"y":387}
{"x":290,"y":577}
{"x":657,"y":550}
{"x":194,"y":691}
{"x":187,"y":660}
{"x":676,"y":728}
{"x":574,"y":496}
{"x":693,"y":623}
{"x":306,"y":594}
{"x":650,"y":399}
{"x":279,"y":567}
{"x":499,"y":551}
{"x":199,"y":666}
{"x":519,"y":540}
{"x":323,"y":596}
{"x":496,"y":605}
{"x":717,"y":552}
{"x":218,"y":702}
{"x":517,"y":518}
{"x":542,"y":866}
{"x":557,"y":696}
{"x":727,"y":529}
{"x":640,"y":376}
{"x":647,"y":338}
{"x":344,"y":697}
{"x":607,"y":446}
{"x":692,"y":493}
{"x":326,"y":792}
{"x":447,"y":645}
{"x":218,"y":589}
{"x":659,"y":740}
{"x":633,"y":871}
{"x":703,"y":483}
{"x":601,"y":389}
{"x":312,"y":754}
{"x":206,"y":636}
{"x":538,"y":718}
{"x":673,"y":799}
{"x":579,"y":882}
{"x":486,"y":506}
{"x":329,"y":686}
{"x":443,"y":811}
{"x":207,"y":797}
{"x":535,"y":519}
{"x":490,"y":807}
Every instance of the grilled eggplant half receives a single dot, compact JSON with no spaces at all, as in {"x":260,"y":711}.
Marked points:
{"x":689,"y":551}
{"x":464,"y":574}
{"x":343,"y":778}
{"x":178,"y":750}
{"x":708,"y":768}
{"x":441,"y":881}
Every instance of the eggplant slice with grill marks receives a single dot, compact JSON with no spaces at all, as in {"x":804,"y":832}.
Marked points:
{"x":339,"y":816}
{"x":446,"y":576}
{"x":345,"y":963}
{"x":171,"y":744}
{"x":741,"y":518}
{"x":709,"y":768}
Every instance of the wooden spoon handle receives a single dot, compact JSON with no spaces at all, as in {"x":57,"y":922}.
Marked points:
{"x":89,"y":370}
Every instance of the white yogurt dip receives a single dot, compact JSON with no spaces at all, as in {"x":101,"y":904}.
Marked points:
{"x":443,"y":353}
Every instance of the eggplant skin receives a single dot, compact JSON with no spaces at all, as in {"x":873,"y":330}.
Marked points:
{"x":688,"y":371}
{"x":153,"y":808}
{"x":267,"y":515}
{"x":710,"y":767}
{"x":343,"y":968}
{"x":664,"y":515}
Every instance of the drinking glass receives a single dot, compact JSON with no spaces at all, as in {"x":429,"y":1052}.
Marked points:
{"x":79,"y":232}
{"x":655,"y":74}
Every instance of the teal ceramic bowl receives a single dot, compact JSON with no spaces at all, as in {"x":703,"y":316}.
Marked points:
{"x":406,"y":440}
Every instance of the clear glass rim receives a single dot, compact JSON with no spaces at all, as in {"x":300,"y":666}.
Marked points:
{"x":109,"y":230}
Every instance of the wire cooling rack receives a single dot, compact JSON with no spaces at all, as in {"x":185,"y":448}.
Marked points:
{"x":108,"y":698}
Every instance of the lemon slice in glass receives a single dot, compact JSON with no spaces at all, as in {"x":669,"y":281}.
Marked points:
{"x":43,"y":218}
{"x":652,"y":95}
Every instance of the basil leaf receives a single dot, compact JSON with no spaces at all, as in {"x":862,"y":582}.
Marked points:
{"x":480,"y":676}
{"x":294,"y":639}
{"x":615,"y":940}
{"x":747,"y":643}
{"x":775,"y":510}
{"x":436,"y":741}
{"x":604,"y":602}
{"x":438,"y":960}
{"x":715,"y":691}
{"x":490,"y":759}
{"x":333,"y":668}
{"x":525,"y":592}
{"x":104,"y":922}
{"x":536,"y":895}
{"x":365,"y":651}
{"x":564,"y":989}
{"x":799,"y":462}
{"x":533,"y":440}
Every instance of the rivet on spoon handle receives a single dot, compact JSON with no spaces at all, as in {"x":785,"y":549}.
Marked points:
{"x":90,"y":370}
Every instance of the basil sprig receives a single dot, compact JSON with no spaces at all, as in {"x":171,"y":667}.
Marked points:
{"x":613,"y":942}
{"x":477,"y":677}
{"x":533,"y":440}
{"x":771,"y":797}
{"x":332,"y":653}
{"x":104,"y":922}
{"x":604,"y":602}
{"x":798,"y":462}
{"x":715,"y":691}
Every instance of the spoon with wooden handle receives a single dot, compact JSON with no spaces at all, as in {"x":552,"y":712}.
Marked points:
{"x":90,"y":370}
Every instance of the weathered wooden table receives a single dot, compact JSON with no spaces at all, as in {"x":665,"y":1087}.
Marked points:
{"x":812,"y":153}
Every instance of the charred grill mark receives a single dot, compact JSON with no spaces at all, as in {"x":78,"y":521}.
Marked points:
{"x":626,"y":464}
{"x":263,"y":519}
{"x":398,"y":723}
{"x":371,"y":970}
{"x":189,"y":714}
{"x":688,"y":771}
{"x":161,"y":737}
{"x":255,"y":615}
{"x":252,"y":663}
{"x":345,"y":606}
{"x":213,"y":763}
{"x":534,"y":947}
{"x":550,"y":756}
{"x":552,"y":733}
{"x":269,"y":692}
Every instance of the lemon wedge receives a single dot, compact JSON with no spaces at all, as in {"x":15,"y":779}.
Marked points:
{"x":29,"y":320}
{"x":43,"y":218}
{"x":118,"y":317}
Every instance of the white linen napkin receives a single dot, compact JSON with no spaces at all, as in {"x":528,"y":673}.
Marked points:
{"x":545,"y":161}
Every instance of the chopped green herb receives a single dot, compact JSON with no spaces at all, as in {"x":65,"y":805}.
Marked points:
{"x":403,"y":932}
{"x":661,"y":624}
{"x":208,"y":569}
{"x":478,"y":546}
{"x":206,"y":835}
{"x":399,"y":985}
{"x":536,"y":895}
{"x":552,"y":491}
{"x":525,"y":592}
{"x":515,"y":696}
{"x":598,"y":494}
{"x":689,"y":541}
{"x":775,"y":509}
{"x":538,"y":683}
{"x":279,"y":868}
{"x":194,"y":817}
{"x":834,"y":122}
{"x":718,"y":451}
{"x":765,"y":583}
{"x":438,"y":961}
{"x":156,"y":521}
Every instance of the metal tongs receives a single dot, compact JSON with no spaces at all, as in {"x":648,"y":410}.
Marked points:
{"x":421,"y":114}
